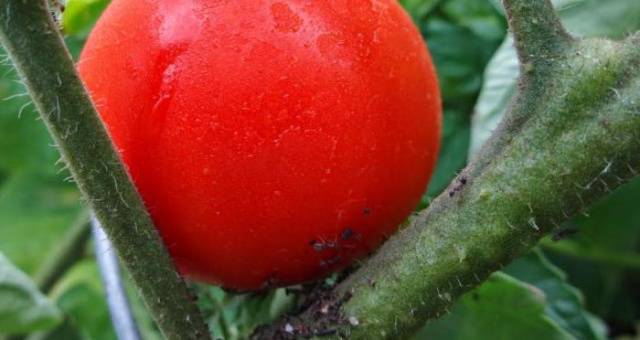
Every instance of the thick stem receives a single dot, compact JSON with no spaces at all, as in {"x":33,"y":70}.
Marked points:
{"x":67,"y":253}
{"x":541,"y":42}
{"x":31,"y":38}
{"x":579,"y":141}
{"x":538,"y":32}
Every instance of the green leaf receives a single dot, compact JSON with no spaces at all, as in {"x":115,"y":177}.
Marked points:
{"x":502,"y":308}
{"x":616,"y":222}
{"x":480,"y":17}
{"x":596,"y":18}
{"x":603,"y":257}
{"x":80,"y":15}
{"x":460,"y":77}
{"x":35,"y":212}
{"x":22,"y":307}
{"x":610,"y":234}
{"x":67,"y":330}
{"x":531,"y":299}
{"x":3,"y":178}
{"x":459,"y":72}
{"x":565,"y":303}
{"x":24,"y":143}
{"x":80,"y":295}
{"x":235,"y":316}
{"x":501,"y":77}
{"x":419,"y":8}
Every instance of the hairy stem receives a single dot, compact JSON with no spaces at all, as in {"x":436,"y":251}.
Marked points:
{"x":541,"y":41}
{"x":539,"y":35}
{"x":571,"y":136}
{"x":33,"y":42}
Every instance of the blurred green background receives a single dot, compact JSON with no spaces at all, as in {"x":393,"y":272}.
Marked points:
{"x":581,"y":283}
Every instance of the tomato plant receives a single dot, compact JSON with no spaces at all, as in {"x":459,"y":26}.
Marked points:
{"x":273,"y":142}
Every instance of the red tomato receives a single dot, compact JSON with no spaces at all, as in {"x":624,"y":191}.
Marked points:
{"x":273,"y":141}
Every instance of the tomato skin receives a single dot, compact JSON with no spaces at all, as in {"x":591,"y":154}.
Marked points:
{"x":273,"y":142}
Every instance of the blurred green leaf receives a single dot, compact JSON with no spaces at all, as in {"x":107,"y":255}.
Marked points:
{"x":603,"y":258}
{"x":597,"y":18}
{"x":419,"y":8}
{"x":459,"y":74}
{"x":453,"y":153}
{"x":501,"y":77}
{"x":502,"y":308}
{"x":22,"y":307}
{"x":615,"y":222}
{"x":3,"y":178}
{"x":529,"y":300}
{"x":610,"y":235}
{"x":80,"y":15}
{"x":25,"y":143}
{"x":35,"y":212}
{"x":480,"y":17}
{"x":67,"y":330}
{"x":565,"y":303}
{"x":80,"y":295}
{"x":459,"y":70}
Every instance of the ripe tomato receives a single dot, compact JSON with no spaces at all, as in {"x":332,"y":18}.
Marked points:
{"x":273,"y":141}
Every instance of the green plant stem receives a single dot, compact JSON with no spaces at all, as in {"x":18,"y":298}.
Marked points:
{"x":572,"y":135}
{"x":67,"y":253}
{"x":531,"y":19}
{"x":33,"y":42}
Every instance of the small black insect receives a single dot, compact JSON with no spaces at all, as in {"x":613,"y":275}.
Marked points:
{"x":320,"y":245}
{"x":347,"y":234}
{"x":462,"y":181}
